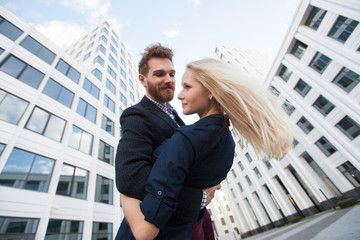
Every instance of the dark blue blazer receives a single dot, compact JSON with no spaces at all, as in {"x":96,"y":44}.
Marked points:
{"x":198,"y":155}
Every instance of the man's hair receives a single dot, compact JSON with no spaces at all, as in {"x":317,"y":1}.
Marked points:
{"x":154,"y":51}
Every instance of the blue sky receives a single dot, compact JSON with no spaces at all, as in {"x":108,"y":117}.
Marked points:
{"x":189,"y":27}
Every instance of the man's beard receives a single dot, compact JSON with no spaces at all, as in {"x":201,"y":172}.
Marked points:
{"x":160,"y":94}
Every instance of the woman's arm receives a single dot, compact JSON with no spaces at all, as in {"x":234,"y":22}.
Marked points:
{"x":141,"y":229}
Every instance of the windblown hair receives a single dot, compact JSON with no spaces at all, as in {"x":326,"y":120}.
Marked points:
{"x":252,"y":109}
{"x":154,"y":51}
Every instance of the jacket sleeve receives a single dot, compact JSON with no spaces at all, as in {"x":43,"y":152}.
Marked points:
{"x":134,"y":153}
{"x":166,"y":180}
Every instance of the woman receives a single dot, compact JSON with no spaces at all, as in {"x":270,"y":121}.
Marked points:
{"x":200,"y":155}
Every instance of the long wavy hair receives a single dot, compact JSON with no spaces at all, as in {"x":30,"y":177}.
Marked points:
{"x":252,"y":109}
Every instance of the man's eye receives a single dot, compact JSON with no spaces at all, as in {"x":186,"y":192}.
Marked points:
{"x":172,"y":74}
{"x":159,"y":74}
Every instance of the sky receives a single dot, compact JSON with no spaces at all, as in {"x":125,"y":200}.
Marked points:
{"x":190,"y":27}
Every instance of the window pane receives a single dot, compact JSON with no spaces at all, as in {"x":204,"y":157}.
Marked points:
{"x":323,"y":105}
{"x":9,"y":30}
{"x":62,"y":229}
{"x":347,"y":79}
{"x":349,"y":127}
{"x":86,"y":143}
{"x":102,"y":231}
{"x":315,"y":18}
{"x":62,"y":66}
{"x":81,"y":108}
{"x":305,"y":125}
{"x":302,"y":87}
{"x":38,"y":49}
{"x":23,"y":167}
{"x":31,"y":77}
{"x":75,"y":137}
{"x":66,"y":97}
{"x":65,"y":181}
{"x":13,"y":66}
{"x":104,"y":190}
{"x":343,"y":28}
{"x":55,"y":128}
{"x":91,"y":113}
{"x":320,"y":62}
{"x":38,"y":120}
{"x":23,"y":227}
{"x":11,"y":107}
{"x":80,"y":183}
{"x":73,"y":75}
{"x":325,"y":146}
{"x":52,"y":89}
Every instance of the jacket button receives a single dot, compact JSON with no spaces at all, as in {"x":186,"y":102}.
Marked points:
{"x":159,"y":193}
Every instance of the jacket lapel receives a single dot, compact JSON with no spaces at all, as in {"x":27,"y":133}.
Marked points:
{"x":159,"y":113}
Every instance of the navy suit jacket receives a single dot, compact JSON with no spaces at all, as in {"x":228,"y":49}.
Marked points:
{"x":145,"y":126}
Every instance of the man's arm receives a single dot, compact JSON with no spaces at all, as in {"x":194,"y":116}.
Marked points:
{"x":134,"y":153}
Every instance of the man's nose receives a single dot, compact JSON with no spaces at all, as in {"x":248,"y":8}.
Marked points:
{"x":168,"y":78}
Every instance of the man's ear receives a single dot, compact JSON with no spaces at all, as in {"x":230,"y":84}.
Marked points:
{"x":142,"y":80}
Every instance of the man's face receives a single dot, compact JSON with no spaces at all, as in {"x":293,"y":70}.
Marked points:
{"x":160,"y":80}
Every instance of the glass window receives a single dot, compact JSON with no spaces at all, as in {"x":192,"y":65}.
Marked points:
{"x":38,"y":49}
{"x":315,"y":18}
{"x":132,"y":97}
{"x":105,"y":31}
{"x":305,"y":125}
{"x":268,"y":164}
{"x":342,"y":28}
{"x":103,"y":38}
{"x":101,"y":48}
{"x":99,"y":60}
{"x":64,"y":229}
{"x":2,"y":147}
{"x":320,"y":62}
{"x":104,"y":190}
{"x":122,"y":61}
{"x":131,"y":84}
{"x":46,"y":124}
{"x":102,"y":231}
{"x":323,"y":105}
{"x":248,"y":180}
{"x":9,"y":30}
{"x":68,"y":70}
{"x":107,"y":124}
{"x":123,"y":99}
{"x":248,"y":157}
{"x":58,"y":92}
{"x":351,"y":173}
{"x":285,"y":73}
{"x":87,"y":56}
{"x":81,"y":140}
{"x":298,"y":49}
{"x":257,"y":172}
{"x":111,"y":72}
{"x":110,"y":104}
{"x":22,"y":71}
{"x":11,"y":107}
{"x":123,"y":85}
{"x":91,"y":88}
{"x":240,"y":187}
{"x":110,"y":86}
{"x":97,"y":73}
{"x":112,"y":60}
{"x":349,"y":127}
{"x":325,"y":146}
{"x":113,"y":50}
{"x":106,"y":152}
{"x":347,"y":79}
{"x":288,"y":107}
{"x":233,"y":173}
{"x":114,"y":41}
{"x":274,"y":91}
{"x":73,"y":182}
{"x":18,"y":228}
{"x":123,"y":73}
{"x":86,"y":110}
{"x":27,"y":170}
{"x":302,"y":87}
{"x":90,"y":45}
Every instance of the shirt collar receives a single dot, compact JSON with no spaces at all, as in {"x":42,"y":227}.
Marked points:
{"x":166,"y":107}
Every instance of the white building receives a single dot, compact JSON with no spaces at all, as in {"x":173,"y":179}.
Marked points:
{"x":59,"y":129}
{"x":315,"y":75}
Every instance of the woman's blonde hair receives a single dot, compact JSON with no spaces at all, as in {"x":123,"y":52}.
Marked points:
{"x":252,"y":109}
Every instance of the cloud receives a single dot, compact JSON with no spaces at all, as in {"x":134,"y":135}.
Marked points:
{"x":61,"y":33}
{"x":171,"y":33}
{"x":195,"y":3}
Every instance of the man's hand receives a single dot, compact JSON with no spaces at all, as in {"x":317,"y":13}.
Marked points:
{"x":210,"y":192}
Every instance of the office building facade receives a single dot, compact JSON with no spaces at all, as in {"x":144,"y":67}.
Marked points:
{"x":315,"y":76}
{"x":59,"y":129}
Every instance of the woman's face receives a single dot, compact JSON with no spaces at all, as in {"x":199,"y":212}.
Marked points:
{"x":194,"y":96}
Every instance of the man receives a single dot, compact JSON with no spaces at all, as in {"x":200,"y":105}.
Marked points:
{"x":145,"y":126}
